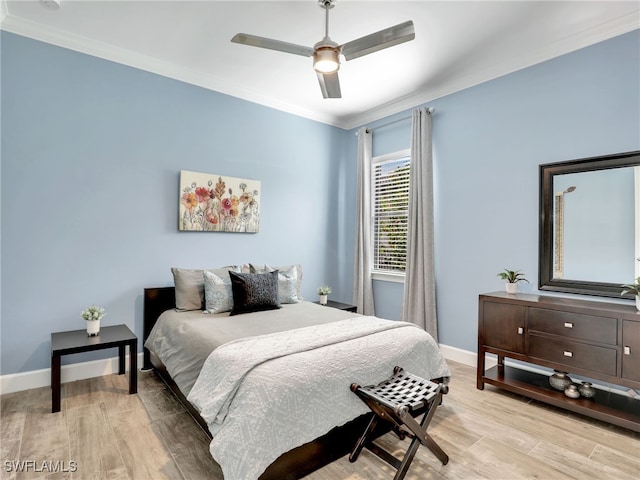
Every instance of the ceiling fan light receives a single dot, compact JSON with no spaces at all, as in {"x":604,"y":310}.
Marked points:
{"x":326,"y":60}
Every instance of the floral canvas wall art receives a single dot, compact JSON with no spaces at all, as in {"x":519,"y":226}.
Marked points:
{"x":216,"y":203}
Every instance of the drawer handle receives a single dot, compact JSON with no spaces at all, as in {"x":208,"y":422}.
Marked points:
{"x":568,"y":354}
{"x":520,"y":330}
{"x":568,"y":325}
{"x":627,"y":350}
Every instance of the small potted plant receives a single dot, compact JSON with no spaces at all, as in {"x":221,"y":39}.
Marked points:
{"x":511,"y":278}
{"x":93,"y":314}
{"x":323,"y":292}
{"x":633,"y":288}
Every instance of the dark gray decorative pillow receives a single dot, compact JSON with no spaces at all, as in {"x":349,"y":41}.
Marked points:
{"x":254,"y":292}
{"x":290,"y":276}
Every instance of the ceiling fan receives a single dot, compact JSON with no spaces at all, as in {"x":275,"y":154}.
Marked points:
{"x":326,"y":53}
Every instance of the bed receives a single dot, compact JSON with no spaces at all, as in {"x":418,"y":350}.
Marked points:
{"x":276,"y":401}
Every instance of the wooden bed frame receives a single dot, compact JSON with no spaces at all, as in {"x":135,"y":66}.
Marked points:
{"x":291,"y":465}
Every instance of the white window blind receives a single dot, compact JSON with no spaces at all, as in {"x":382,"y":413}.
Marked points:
{"x":390,"y":192}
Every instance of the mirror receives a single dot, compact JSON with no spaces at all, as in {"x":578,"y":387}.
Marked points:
{"x":590,"y":225}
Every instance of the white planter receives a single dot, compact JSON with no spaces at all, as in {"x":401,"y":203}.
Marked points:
{"x":511,"y":287}
{"x":93,"y":327}
{"x":323,"y":299}
{"x":638,"y":302}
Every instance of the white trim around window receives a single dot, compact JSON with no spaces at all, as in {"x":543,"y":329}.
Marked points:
{"x":390,"y":196}
{"x":393,"y":277}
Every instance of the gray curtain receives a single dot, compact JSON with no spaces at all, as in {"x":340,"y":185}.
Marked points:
{"x":419,"y":298}
{"x":362,"y":286}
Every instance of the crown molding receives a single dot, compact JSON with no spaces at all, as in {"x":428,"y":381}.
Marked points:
{"x":88,"y":46}
{"x":3,"y":10}
{"x":606,"y":31}
{"x":616,"y":27}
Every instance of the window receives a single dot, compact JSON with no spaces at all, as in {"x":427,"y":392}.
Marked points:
{"x":390,"y":205}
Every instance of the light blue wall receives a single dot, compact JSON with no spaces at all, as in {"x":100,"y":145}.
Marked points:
{"x":488,"y":143}
{"x":91,"y":155}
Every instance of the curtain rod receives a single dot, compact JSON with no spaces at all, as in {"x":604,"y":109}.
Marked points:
{"x":430,"y":110}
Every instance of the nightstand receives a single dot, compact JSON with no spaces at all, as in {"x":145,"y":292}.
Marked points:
{"x":340,"y":306}
{"x":77,"y":341}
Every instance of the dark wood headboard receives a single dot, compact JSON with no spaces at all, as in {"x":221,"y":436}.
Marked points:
{"x":156,"y":301}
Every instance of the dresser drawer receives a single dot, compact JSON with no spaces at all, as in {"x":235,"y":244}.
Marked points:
{"x":573,"y":354}
{"x":574,"y":325}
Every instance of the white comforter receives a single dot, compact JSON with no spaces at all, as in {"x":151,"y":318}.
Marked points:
{"x":262,"y":396}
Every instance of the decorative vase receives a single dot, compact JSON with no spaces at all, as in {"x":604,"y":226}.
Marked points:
{"x":93,"y":327}
{"x":587,"y":390}
{"x":511,"y":287}
{"x":323,"y":299}
{"x":638,"y":302}
{"x":560,"y":380}
{"x":572,"y":391}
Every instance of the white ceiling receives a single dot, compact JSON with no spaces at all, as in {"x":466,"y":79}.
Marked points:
{"x":457,"y":44}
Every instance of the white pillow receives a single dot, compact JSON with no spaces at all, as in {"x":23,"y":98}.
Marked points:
{"x":289,"y":280}
{"x":217,"y":293}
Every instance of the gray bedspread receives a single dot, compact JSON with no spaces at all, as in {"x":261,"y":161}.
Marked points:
{"x":264,"y":396}
{"x":184,"y":340}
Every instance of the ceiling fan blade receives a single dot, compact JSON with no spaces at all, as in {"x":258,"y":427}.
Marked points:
{"x":329,"y":84}
{"x":262,"y":42}
{"x":386,"y":38}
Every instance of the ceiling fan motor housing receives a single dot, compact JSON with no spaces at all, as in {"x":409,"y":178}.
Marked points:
{"x":326,"y":59}
{"x":326,"y":56}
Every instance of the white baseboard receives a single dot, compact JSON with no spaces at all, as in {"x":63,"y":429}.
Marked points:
{"x":79,"y":371}
{"x":458,"y":355}
{"x":68,"y":373}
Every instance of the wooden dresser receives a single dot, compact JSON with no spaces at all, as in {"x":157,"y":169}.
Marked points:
{"x":592,"y":339}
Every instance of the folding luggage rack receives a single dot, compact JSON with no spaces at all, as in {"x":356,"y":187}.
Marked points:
{"x":398,"y":400}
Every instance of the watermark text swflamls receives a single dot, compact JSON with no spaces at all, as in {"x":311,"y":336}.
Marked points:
{"x":48,"y":466}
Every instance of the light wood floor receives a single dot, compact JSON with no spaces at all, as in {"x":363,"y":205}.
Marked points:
{"x":488,"y":434}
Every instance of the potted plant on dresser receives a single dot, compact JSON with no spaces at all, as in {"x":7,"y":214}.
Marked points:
{"x":633,"y":288}
{"x":511,"y":278}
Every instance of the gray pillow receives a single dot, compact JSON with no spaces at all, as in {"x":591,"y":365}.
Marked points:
{"x":254,"y":292}
{"x":189,"y":285}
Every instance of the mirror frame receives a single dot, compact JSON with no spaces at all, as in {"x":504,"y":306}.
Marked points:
{"x":545,"y":242}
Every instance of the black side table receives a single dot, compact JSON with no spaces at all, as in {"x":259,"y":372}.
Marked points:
{"x":77,"y":341}
{"x":341,"y":306}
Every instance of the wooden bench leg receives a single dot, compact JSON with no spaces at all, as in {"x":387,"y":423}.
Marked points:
{"x":420,"y":430}
{"x":363,"y":439}
{"x":408,"y":458}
